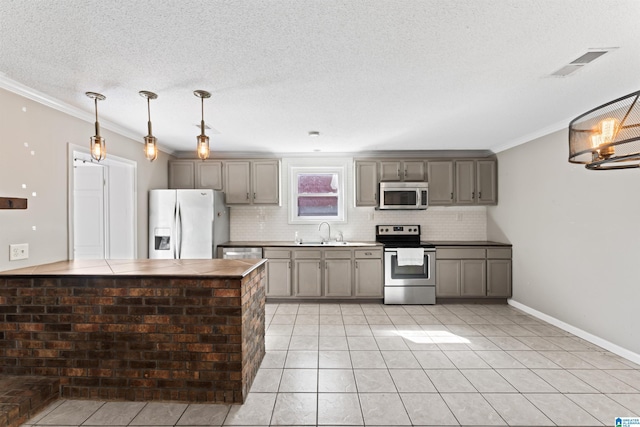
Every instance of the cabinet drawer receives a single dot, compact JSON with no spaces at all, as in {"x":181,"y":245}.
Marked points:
{"x":369,"y":254}
{"x":310,"y":254}
{"x":277,"y":254}
{"x":499,"y":253}
{"x":461,"y":253}
{"x":328,"y":254}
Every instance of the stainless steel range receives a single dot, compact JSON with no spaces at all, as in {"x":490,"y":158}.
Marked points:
{"x":409,"y":265}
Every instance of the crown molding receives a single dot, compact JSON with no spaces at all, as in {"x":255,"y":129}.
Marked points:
{"x":51,"y":102}
{"x":563,"y":124}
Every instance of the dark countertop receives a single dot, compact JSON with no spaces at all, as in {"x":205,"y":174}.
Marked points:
{"x":266,"y":243}
{"x":258,"y":243}
{"x":469,"y":243}
{"x":210,"y":268}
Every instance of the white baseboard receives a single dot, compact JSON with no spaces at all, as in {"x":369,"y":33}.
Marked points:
{"x":614,"y":348}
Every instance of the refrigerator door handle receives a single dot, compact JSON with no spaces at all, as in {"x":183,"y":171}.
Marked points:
{"x":178,"y":232}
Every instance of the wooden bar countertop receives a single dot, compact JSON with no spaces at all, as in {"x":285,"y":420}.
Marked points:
{"x":216,"y":268}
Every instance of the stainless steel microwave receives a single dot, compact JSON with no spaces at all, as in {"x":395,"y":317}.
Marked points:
{"x":404,"y":195}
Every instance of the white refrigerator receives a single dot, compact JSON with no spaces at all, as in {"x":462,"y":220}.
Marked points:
{"x":186,"y":224}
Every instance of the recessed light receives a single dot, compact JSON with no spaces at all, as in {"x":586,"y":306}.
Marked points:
{"x":314,"y":133}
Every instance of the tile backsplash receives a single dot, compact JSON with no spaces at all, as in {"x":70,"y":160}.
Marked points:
{"x":251,"y":223}
{"x":436,"y":223}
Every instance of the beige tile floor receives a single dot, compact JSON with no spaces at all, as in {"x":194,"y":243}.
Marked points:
{"x":371,"y":364}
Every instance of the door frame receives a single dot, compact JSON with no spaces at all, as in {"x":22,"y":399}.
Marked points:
{"x":76,"y":151}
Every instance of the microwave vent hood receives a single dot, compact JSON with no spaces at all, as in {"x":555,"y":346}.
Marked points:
{"x":403,"y":196}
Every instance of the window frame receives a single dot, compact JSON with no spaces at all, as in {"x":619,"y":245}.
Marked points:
{"x":294,"y":171}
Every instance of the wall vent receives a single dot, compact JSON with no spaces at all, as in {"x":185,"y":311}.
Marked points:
{"x":580,"y":62}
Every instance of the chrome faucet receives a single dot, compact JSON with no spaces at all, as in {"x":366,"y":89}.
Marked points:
{"x":329,"y":227}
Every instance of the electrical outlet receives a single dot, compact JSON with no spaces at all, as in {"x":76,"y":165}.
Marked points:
{"x":20,"y":251}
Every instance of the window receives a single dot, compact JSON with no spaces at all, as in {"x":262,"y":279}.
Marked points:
{"x":317,"y":194}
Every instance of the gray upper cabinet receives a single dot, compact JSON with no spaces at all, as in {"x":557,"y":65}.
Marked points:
{"x":181,"y":174}
{"x":465,"y":182}
{"x":252,"y":182}
{"x":402,"y":170}
{"x":366,"y":183}
{"x":475,"y":182}
{"x":209,"y":174}
{"x":237,"y":182}
{"x":487,"y":182}
{"x":440,"y":182}
{"x":186,"y":174}
{"x":266,"y":182}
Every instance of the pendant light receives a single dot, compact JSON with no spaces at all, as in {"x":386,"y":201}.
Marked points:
{"x":98,"y":145}
{"x":150,"y":141}
{"x":203,"y":140}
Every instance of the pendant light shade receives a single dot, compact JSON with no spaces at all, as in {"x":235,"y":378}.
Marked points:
{"x":98,"y":144}
{"x":203,"y":140}
{"x":607,"y":137}
{"x":150,"y":141}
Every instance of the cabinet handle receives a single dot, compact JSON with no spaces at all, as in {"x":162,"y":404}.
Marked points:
{"x":247,"y":196}
{"x":254,"y":196}
{"x":375,"y":196}
{"x":368,"y":253}
{"x":479,"y":194}
{"x":398,"y":171}
{"x":473,"y":195}
{"x":452,"y":195}
{"x":356,"y":264}
{"x":405,"y":174}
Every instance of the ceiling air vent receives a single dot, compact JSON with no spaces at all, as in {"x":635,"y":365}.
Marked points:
{"x":580,"y":62}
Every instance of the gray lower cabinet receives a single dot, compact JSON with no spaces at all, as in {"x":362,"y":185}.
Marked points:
{"x":278,"y":272}
{"x":307,"y":273}
{"x":473,"y":272}
{"x":368,"y":273}
{"x":324,"y":273}
{"x":499,"y":272}
{"x":473,"y":276}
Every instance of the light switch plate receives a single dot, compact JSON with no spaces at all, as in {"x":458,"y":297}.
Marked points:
{"x":19,"y":251}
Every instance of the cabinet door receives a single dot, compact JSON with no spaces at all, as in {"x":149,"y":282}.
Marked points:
{"x":487,"y":182}
{"x":209,"y":174}
{"x":366,"y":184}
{"x":440,"y":182}
{"x":499,"y":277}
{"x":448,"y":278}
{"x":337,"y":278}
{"x":465,"y":193}
{"x":181,"y":174}
{"x":390,"y":171}
{"x":278,"y":278}
{"x":474,"y":279}
{"x":307,"y":278}
{"x":413,"y":171}
{"x":368,"y":278}
{"x":266,"y":182}
{"x":237,"y":183}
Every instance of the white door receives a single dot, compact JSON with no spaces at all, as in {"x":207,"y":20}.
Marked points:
{"x":89,"y":211}
{"x":102,"y":206}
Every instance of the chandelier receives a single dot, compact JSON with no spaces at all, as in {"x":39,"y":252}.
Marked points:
{"x":607,"y":137}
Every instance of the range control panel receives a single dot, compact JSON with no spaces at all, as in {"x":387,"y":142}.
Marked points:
{"x":398,"y":230}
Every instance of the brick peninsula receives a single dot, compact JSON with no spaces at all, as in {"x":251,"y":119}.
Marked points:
{"x":139,"y":330}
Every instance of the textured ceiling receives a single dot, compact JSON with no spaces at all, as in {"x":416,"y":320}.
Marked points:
{"x":367,"y":74}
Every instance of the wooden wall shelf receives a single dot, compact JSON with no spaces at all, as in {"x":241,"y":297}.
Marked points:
{"x":12,"y":203}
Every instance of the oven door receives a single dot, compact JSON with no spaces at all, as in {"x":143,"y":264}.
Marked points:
{"x":409,"y":275}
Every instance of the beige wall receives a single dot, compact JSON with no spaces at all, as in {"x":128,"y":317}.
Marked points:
{"x":575,"y":236}
{"x":48,"y":133}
